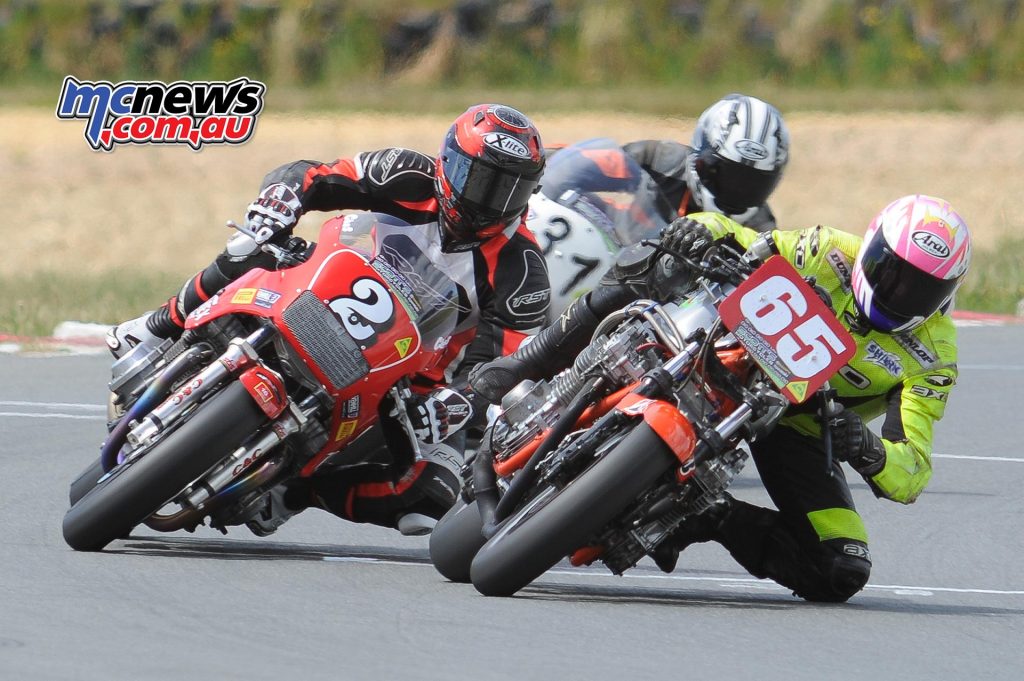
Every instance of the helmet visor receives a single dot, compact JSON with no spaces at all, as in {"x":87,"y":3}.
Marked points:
{"x":489,"y":192}
{"x":736,"y":187}
{"x":903,"y":294}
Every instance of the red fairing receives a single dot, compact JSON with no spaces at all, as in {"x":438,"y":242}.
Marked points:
{"x":344,"y":281}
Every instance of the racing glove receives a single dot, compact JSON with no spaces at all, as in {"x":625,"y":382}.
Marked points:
{"x":688,"y":237}
{"x":439,"y":414}
{"x":853,"y":442}
{"x":275,"y":210}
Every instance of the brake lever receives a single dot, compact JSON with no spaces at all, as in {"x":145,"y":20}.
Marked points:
{"x":282,"y":255}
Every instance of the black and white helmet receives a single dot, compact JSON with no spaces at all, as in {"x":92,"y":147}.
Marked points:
{"x":740,"y":148}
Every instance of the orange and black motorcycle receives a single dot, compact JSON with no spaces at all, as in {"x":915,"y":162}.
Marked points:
{"x":609,"y":457}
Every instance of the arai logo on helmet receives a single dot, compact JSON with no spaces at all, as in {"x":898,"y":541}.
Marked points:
{"x":930,"y":244}
{"x":755,"y":151}
{"x":506,"y":144}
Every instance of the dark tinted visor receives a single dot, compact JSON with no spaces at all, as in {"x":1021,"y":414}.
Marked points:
{"x":736,"y":187}
{"x":901,"y":291}
{"x":492,"y":192}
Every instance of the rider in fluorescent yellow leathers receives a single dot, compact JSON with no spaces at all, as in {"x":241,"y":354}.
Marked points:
{"x":892,"y":290}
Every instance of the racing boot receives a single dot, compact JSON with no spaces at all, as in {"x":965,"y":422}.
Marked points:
{"x":278,"y":505}
{"x":438,"y":485}
{"x":703,"y":527}
{"x":148,"y":331}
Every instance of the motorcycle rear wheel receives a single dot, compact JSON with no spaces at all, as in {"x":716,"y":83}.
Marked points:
{"x":130,"y":495}
{"x":455,"y":540}
{"x":559,"y":521}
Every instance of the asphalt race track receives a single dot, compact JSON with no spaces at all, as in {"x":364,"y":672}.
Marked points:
{"x":323,"y":599}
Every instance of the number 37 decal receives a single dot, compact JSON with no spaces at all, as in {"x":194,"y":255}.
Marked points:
{"x":788,"y":330}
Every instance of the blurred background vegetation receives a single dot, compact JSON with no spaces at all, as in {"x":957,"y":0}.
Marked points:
{"x":664,"y":57}
{"x":934,"y":54}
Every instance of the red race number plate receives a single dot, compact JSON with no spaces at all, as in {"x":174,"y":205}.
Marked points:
{"x":787,"y":329}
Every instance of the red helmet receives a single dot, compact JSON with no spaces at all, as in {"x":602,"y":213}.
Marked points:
{"x":489,"y":165}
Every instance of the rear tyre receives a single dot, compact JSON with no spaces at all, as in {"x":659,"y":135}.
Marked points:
{"x":130,"y":495}
{"x":559,"y":521}
{"x":455,"y":540}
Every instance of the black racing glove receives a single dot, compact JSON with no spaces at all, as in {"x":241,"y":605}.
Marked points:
{"x":275,"y":210}
{"x":853,"y":442}
{"x":688,"y":237}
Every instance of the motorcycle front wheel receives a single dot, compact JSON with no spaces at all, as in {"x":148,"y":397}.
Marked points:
{"x":136,"y":490}
{"x":556,"y":522}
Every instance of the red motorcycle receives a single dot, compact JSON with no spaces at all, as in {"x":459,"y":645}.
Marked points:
{"x":604,"y":461}
{"x":282,"y":374}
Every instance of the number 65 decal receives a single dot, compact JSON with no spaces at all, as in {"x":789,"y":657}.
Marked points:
{"x":787,"y":328}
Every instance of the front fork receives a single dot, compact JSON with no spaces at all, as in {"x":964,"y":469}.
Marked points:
{"x":240,"y":355}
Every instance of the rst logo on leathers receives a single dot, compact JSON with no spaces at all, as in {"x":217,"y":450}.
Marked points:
{"x":153,"y":112}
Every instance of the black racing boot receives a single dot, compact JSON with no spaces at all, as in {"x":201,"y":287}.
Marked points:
{"x":703,"y":527}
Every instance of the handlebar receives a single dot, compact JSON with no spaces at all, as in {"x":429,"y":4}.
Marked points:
{"x":288,"y":257}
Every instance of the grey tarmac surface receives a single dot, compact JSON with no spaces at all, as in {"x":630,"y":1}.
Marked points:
{"x":327,"y":599}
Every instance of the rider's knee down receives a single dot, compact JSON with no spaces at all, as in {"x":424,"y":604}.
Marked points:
{"x":846,"y":569}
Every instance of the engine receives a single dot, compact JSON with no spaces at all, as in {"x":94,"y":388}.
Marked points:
{"x":661,"y":514}
{"x":532,"y":407}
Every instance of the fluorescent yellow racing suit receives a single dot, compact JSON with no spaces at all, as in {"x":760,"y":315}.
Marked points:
{"x":907,"y":377}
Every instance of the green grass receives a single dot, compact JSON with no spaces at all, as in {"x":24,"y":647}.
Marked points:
{"x":995,"y":282}
{"x":34,"y":305}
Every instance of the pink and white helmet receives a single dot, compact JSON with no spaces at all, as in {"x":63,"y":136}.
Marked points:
{"x":914,"y":257}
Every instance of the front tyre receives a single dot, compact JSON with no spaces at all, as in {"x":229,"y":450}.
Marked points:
{"x":559,"y":521}
{"x":455,"y":540}
{"x":122,"y":501}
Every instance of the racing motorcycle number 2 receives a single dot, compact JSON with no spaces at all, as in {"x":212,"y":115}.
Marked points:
{"x":787,"y":329}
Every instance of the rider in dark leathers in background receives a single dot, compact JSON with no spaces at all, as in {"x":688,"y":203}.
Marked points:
{"x":892,"y":290}
{"x":739,"y":151}
{"x":467,"y":207}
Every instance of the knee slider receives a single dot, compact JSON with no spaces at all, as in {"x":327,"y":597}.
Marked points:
{"x":849,"y":570}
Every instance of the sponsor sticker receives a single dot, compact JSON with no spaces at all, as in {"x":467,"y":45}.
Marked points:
{"x":875,"y":354}
{"x":402,"y":345}
{"x":350,"y":408}
{"x":939,"y":380}
{"x":194,"y":113}
{"x":204,"y":309}
{"x":266,"y":298}
{"x":841,"y":266}
{"x":243,"y":296}
{"x":345,"y":429}
{"x":916,"y":349}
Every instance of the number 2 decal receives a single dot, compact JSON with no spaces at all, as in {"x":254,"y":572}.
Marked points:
{"x":368,"y":312}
